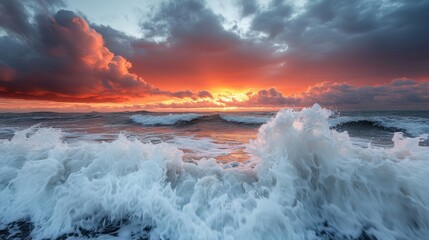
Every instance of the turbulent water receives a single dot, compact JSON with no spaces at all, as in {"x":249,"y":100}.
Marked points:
{"x":309,"y":174}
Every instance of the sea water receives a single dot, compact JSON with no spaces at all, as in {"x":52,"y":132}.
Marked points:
{"x":291,"y":174}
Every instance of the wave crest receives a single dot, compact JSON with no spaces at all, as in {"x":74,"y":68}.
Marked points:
{"x":410,"y":125}
{"x":170,"y":119}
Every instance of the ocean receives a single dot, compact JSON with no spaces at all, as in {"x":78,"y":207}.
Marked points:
{"x":293,"y":174}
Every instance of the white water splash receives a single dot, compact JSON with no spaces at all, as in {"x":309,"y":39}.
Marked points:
{"x":308,"y":181}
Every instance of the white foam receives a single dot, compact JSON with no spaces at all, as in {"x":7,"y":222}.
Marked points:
{"x":245,"y":119}
{"x":413,"y":125}
{"x":316,"y":174}
{"x":202,"y":147}
{"x":307,"y":178}
{"x":169,"y":119}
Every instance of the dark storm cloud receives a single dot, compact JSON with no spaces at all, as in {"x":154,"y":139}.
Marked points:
{"x":191,"y":25}
{"x":14,"y":17}
{"x":359,"y":40}
{"x":64,"y":57}
{"x":61,"y":58}
{"x":273,"y":20}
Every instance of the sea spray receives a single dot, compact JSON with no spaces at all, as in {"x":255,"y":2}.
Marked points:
{"x":321,"y":179}
{"x":303,"y":181}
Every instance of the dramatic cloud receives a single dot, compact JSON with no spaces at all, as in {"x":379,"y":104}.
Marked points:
{"x":402,"y":93}
{"x":398,"y":94}
{"x":286,"y":45}
{"x":394,"y":95}
{"x":185,"y":42}
{"x":61,"y":58}
{"x":292,"y":53}
{"x":13,"y":17}
{"x":362,"y":41}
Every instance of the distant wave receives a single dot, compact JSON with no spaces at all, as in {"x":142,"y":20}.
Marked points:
{"x":246,"y":119}
{"x":366,"y":124}
{"x":170,"y":119}
{"x":411,"y":125}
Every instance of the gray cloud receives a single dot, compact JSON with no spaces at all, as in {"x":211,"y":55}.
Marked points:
{"x":248,"y":7}
{"x":402,"y":93}
{"x":398,"y":94}
{"x":14,"y":17}
{"x":59,"y":57}
{"x":395,"y":95}
{"x":271,"y":97}
{"x":189,"y":40}
{"x":359,"y":40}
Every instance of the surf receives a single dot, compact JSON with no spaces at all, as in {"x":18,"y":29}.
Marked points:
{"x":303,"y":180}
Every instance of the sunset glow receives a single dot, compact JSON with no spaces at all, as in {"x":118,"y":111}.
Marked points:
{"x":206,"y":55}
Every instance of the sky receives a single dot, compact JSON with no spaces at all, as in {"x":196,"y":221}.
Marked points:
{"x":167,"y":55}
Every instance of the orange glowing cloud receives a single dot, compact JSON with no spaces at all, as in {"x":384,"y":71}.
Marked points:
{"x":72,"y":64}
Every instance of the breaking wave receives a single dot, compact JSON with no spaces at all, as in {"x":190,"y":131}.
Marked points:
{"x":411,"y":125}
{"x":366,"y":124}
{"x":170,"y":119}
{"x":304,"y":181}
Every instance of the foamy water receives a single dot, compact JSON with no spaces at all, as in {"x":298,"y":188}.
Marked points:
{"x":301,"y":179}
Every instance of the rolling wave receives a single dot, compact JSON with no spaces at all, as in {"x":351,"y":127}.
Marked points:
{"x":366,"y":124}
{"x":188,"y":118}
{"x":163,"y":120}
{"x":411,"y":125}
